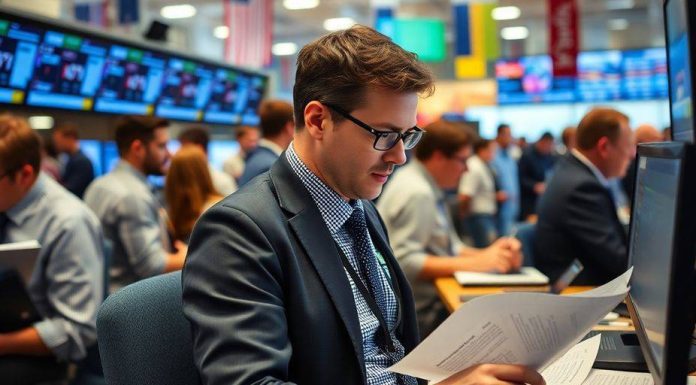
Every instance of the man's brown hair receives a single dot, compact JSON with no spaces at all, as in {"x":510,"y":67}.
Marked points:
{"x":340,"y":67}
{"x":243,"y":131}
{"x":597,"y":123}
{"x":445,"y":137}
{"x":130,"y":128}
{"x":274,"y":115}
{"x":19,"y":145}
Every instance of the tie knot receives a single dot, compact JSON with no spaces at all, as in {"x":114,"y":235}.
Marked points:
{"x":356,"y":221}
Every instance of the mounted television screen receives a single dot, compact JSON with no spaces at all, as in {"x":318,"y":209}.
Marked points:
{"x":47,"y":63}
{"x":68,"y":71}
{"x":530,"y":79}
{"x":19,"y":44}
{"x":185,"y":91}
{"x":131,"y":82}
{"x":599,"y":76}
{"x":645,"y":74}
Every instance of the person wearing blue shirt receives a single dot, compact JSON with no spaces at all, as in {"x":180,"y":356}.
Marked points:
{"x":277,"y":129}
{"x":78,"y":172}
{"x":67,"y":285}
{"x":506,"y":174}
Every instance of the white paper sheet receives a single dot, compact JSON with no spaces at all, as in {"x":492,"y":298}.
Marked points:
{"x":575,"y":365}
{"x":532,"y":329}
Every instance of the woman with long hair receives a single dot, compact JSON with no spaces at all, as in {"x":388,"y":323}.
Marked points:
{"x":188,"y":190}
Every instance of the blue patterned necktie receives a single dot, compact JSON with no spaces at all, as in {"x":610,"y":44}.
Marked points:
{"x":367,"y":260}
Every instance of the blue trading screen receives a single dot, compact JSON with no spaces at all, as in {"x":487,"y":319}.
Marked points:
{"x":43,"y":65}
{"x":602,"y":76}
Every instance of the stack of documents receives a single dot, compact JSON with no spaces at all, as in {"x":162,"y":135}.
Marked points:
{"x":532,"y":329}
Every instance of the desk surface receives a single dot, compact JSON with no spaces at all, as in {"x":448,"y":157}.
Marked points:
{"x":451,"y":292}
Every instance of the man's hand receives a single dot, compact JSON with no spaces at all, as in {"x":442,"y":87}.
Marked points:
{"x":501,"y":196}
{"x":494,"y":374}
{"x":505,"y":254}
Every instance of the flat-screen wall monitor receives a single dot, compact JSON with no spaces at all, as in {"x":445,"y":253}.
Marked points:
{"x":680,"y":19}
{"x":48,"y":64}
{"x":662,"y":247}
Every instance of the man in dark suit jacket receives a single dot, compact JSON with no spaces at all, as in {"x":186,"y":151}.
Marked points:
{"x":277,"y":129}
{"x":534,"y":167}
{"x":291,"y":278}
{"x":79,"y":171}
{"x":577,"y":215}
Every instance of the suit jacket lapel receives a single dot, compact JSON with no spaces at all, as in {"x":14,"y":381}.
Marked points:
{"x":308,"y":225}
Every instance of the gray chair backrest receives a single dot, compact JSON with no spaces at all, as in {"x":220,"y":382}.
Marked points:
{"x":144,"y":337}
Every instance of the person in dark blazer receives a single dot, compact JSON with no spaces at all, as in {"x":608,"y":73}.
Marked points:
{"x":577,"y":214}
{"x":291,"y":280}
{"x":78,"y":172}
{"x":277,"y":129}
{"x":534,"y":167}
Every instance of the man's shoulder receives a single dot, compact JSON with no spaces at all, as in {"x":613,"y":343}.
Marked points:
{"x":66,"y":209}
{"x":254,"y":199}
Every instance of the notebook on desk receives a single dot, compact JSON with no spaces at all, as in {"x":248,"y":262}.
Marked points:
{"x":20,"y":256}
{"x":527,"y":276}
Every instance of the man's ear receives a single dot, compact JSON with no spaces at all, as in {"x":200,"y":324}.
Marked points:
{"x":603,"y":146}
{"x":317,"y":119}
{"x":25,"y":176}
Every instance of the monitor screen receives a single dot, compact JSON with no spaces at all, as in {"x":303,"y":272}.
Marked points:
{"x":681,"y":103}
{"x":530,"y":79}
{"x":19,"y":44}
{"x":662,"y":298}
{"x":599,"y":76}
{"x":654,"y":214}
{"x":644,"y":74}
{"x":93,"y":151}
{"x":68,"y":71}
{"x":185,"y":90}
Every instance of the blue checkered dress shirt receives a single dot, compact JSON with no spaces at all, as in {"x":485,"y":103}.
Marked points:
{"x":335,"y":211}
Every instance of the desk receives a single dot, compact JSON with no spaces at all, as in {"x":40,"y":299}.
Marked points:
{"x":450,"y":292}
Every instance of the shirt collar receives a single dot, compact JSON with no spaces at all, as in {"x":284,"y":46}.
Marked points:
{"x":334,"y":210}
{"x":598,"y":174}
{"x":271,"y":146}
{"x":124,"y":166}
{"x":25,"y":207}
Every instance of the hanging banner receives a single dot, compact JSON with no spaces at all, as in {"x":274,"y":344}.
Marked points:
{"x":475,"y":35}
{"x":564,"y":41}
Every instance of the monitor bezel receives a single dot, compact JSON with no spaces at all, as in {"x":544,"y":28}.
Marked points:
{"x":682,"y":291}
{"x":690,"y":12}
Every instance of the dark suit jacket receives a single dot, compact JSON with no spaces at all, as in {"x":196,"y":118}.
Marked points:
{"x":267,"y":295}
{"x":258,"y":162}
{"x":533,"y":167}
{"x":78,"y":174}
{"x":577,"y":219}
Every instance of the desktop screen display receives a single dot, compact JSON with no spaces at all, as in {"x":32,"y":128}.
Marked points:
{"x":654,"y":216}
{"x":220,"y":150}
{"x":681,"y":102}
{"x":185,"y":90}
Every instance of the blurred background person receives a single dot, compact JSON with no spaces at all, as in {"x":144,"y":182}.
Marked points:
{"x":418,"y":221}
{"x":645,"y":133}
{"x":535,"y":167}
{"x":199,"y":137}
{"x":78,"y":171}
{"x":567,"y":140}
{"x":248,"y":139}
{"x":505,"y":165}
{"x":277,"y":130}
{"x":188,"y":190}
{"x":479,"y":196}
{"x":49,"y":159}
{"x":667,"y":134}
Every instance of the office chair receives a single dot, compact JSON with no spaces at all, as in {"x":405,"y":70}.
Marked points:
{"x":525,"y":234}
{"x":143,"y":336}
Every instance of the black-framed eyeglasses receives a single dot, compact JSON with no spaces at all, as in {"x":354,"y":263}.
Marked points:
{"x":384,"y":140}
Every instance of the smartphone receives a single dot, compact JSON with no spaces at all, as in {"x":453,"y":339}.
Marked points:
{"x":567,"y":277}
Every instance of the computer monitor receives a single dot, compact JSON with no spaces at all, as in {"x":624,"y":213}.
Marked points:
{"x":680,"y":18}
{"x":662,"y":248}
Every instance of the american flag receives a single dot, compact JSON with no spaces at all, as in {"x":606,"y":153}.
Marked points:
{"x":250,"y":24}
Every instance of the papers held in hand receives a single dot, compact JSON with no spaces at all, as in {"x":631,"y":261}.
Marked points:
{"x":20,"y":256}
{"x":526,"y":276}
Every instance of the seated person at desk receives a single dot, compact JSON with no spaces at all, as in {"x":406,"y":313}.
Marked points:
{"x":577,"y":214}
{"x":67,"y":284}
{"x":276,"y":282}
{"x":416,"y":217}
{"x":130,"y":214}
